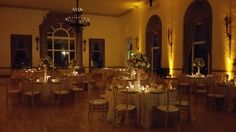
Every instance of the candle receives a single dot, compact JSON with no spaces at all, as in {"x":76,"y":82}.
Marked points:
{"x":142,"y":88}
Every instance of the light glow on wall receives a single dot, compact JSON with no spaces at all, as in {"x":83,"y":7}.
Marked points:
{"x":229,"y":53}
{"x":229,"y":67}
{"x":171,"y":63}
{"x":171,"y":57}
{"x":140,"y":40}
{"x":229,"y":42}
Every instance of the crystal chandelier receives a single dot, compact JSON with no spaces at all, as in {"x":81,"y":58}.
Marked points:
{"x":76,"y":21}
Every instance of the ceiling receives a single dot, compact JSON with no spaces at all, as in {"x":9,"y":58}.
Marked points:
{"x":101,"y":7}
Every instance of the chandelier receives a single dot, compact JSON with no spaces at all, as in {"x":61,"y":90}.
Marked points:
{"x":76,"y":21}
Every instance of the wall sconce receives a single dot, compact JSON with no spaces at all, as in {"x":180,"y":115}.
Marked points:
{"x":84,"y":42}
{"x":228,"y":29}
{"x":150,"y":3}
{"x":170,"y":38}
{"x":37,"y":43}
{"x":228,"y":23}
{"x":137,"y":41}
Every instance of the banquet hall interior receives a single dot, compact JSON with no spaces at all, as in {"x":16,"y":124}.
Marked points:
{"x":118,"y":65}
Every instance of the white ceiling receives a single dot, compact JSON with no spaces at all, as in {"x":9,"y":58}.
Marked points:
{"x":103,"y":7}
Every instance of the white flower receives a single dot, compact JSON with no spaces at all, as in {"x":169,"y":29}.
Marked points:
{"x":73,"y":64}
{"x":138,"y":61}
{"x":46,"y":60}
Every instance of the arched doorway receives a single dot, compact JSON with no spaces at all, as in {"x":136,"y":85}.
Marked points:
{"x":197,"y":36}
{"x":153,"y":42}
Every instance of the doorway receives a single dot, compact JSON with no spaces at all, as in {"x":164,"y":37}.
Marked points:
{"x":21,"y":51}
{"x":96,"y":53}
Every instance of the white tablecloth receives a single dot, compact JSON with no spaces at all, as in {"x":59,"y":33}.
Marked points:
{"x":146,"y":104}
{"x":46,"y":90}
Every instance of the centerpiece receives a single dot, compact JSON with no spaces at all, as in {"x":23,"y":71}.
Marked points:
{"x":199,"y":63}
{"x":46,"y":63}
{"x":74,"y":66}
{"x":138,"y":63}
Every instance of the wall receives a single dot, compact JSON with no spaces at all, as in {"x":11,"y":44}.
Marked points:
{"x":18,"y":21}
{"x":110,"y":29}
{"x":27,"y":21}
{"x":172,"y":15}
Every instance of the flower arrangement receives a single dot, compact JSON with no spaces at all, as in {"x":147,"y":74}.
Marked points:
{"x":46,"y":60}
{"x":73,"y":64}
{"x":138,"y":61}
{"x":199,"y":62}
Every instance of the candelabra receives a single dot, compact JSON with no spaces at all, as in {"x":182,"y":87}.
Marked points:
{"x":170,"y":38}
{"x":228,"y":30}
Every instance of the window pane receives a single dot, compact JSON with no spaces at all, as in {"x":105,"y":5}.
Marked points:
{"x":199,"y":33}
{"x":155,"y":60}
{"x":49,"y":44}
{"x":72,"y":45}
{"x":60,"y":44}
{"x":61,"y":33}
{"x":155,"y":40}
{"x":61,"y":59}
{"x":71,"y":32}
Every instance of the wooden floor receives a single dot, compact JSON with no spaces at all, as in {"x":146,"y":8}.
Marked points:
{"x":72,"y":117}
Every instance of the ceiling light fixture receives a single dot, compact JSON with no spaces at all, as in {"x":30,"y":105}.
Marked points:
{"x":76,"y":21}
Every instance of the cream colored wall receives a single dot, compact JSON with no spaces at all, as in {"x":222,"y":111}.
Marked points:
{"x":27,"y":21}
{"x":108,"y":28}
{"x":172,"y":15}
{"x":18,"y":21}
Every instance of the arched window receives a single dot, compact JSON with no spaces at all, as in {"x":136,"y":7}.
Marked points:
{"x":197,"y":36}
{"x":154,"y":42}
{"x":61,"y":44}
{"x":59,"y":41}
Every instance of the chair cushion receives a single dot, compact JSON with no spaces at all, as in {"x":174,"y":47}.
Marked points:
{"x":182,"y":103}
{"x":12,"y":91}
{"x":61,"y":92}
{"x":172,"y":108}
{"x":98,"y":101}
{"x":31,"y":93}
{"x":125,"y":107}
{"x":216,"y":95}
{"x":201,"y":91}
{"x":75,"y":89}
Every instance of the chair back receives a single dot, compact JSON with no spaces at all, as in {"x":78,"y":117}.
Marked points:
{"x":91,"y":94}
{"x":27,"y":85}
{"x":183,"y":93}
{"x":120,"y":96}
{"x":170,"y":93}
{"x":11,"y":83}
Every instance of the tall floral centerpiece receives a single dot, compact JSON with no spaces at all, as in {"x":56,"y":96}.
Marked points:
{"x":138,"y":63}
{"x":46,"y":63}
{"x":74,"y":66}
{"x":199,"y":63}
